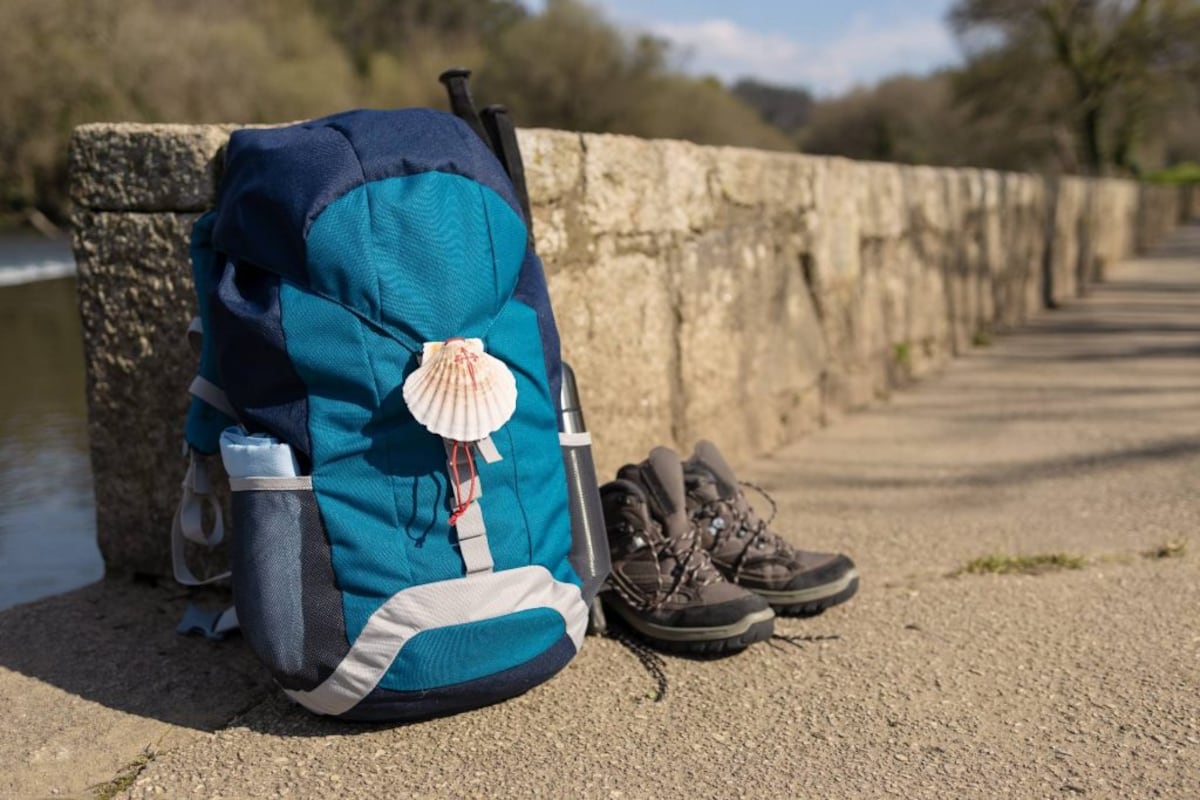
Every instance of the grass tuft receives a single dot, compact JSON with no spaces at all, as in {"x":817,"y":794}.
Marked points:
{"x":1174,"y":548}
{"x":124,"y":779}
{"x":998,"y":564}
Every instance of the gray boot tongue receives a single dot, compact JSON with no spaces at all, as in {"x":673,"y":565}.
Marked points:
{"x":662,"y":476}
{"x":710,"y":458}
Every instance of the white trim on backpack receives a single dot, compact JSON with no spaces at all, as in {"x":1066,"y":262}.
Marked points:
{"x":437,"y":605}
{"x":578,"y":439}
{"x":298,"y":483}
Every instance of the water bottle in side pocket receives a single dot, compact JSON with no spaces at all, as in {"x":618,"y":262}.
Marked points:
{"x":589,"y":541}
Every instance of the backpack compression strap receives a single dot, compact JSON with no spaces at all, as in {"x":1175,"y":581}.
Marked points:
{"x":468,"y":518}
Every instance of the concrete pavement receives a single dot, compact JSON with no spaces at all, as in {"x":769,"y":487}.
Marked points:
{"x":1079,"y":434}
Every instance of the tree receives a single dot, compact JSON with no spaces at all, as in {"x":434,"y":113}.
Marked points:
{"x":907,"y":119}
{"x":1107,"y":69}
{"x":787,"y":108}
{"x":66,"y":63}
{"x":569,"y":68}
{"x":367,"y":28}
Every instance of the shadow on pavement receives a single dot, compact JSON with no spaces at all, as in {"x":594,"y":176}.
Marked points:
{"x":114,"y":643}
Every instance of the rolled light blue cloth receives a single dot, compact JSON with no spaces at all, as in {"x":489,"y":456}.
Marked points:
{"x":256,"y":455}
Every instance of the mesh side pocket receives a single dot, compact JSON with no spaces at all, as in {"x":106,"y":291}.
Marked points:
{"x":287,"y":599}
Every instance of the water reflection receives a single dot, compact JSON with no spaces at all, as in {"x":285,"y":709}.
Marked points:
{"x":47,"y":524}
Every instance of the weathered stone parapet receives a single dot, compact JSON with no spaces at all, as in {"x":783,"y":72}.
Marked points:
{"x":1158,"y":210}
{"x":134,"y":167}
{"x":721,"y":292}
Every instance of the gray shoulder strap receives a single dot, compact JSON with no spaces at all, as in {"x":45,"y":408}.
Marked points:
{"x":188,"y":525}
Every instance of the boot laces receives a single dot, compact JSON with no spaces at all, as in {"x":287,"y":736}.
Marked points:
{"x":693,"y":567}
{"x":692,"y":564}
{"x":730,"y":519}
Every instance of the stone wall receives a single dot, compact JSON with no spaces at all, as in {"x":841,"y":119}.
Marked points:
{"x":733,"y":294}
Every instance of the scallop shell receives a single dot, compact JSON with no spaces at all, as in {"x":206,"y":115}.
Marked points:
{"x":460,"y":392}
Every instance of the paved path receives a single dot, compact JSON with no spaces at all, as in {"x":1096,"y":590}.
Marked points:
{"x":1079,"y":435}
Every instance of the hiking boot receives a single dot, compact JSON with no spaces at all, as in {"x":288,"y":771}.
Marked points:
{"x":663,"y":583}
{"x":793,"y":581}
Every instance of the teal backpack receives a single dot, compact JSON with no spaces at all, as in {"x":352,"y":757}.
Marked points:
{"x":415,"y":515}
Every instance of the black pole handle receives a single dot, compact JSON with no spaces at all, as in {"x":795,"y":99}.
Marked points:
{"x":503,"y":135}
{"x":456,"y":80}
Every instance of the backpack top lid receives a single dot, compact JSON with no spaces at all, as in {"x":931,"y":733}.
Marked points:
{"x":405,"y":217}
{"x":277,"y":181}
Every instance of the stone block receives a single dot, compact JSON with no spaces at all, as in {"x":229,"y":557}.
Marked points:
{"x":1070,"y":214}
{"x":1017,"y":283}
{"x":771,"y":182}
{"x":881,"y":202}
{"x":553,"y":163}
{"x":618,"y":327}
{"x":749,"y":340}
{"x":633,"y":186}
{"x":554,"y":176}
{"x":135,"y":167}
{"x":925,"y":200}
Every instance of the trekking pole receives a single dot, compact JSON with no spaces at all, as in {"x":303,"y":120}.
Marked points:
{"x":503,"y":134}
{"x":456,"y":81}
{"x":496,"y":129}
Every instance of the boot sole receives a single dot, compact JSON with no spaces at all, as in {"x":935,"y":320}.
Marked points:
{"x":756,"y":627}
{"x":812,"y":601}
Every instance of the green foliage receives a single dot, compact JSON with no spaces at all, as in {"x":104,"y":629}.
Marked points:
{"x":568,"y":68}
{"x":1185,"y":173}
{"x":1104,"y":72}
{"x":1094,"y":86}
{"x":368,"y":28}
{"x":124,"y":779}
{"x":787,"y":108}
{"x":906,"y":119}
{"x":1174,"y":548}
{"x":700,"y":111}
{"x":1074,"y":85}
{"x":999,"y":564}
{"x":67,"y":62}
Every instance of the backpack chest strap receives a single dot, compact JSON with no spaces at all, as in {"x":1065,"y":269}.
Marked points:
{"x":468,"y":518}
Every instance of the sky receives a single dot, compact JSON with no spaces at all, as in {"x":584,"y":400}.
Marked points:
{"x":827,"y":46}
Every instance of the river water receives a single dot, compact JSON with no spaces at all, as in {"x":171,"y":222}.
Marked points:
{"x":47,"y":512}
